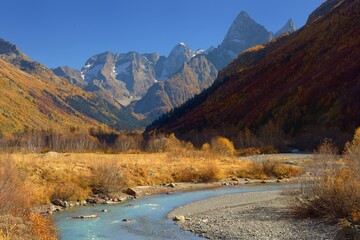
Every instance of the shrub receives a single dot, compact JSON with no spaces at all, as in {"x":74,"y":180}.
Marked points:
{"x":177,"y":148}
{"x":203,"y":173}
{"x":14,"y":196}
{"x":156,"y":143}
{"x":173,"y":144}
{"x":12,"y":227}
{"x":206,"y":147}
{"x":222,"y":146}
{"x":334,"y":187}
{"x":210,"y":173}
{"x":106,"y":177}
{"x":42,"y":227}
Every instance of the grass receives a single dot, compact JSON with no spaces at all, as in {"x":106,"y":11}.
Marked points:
{"x":333,"y":189}
{"x":73,"y":176}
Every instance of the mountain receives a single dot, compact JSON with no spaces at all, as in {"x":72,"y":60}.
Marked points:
{"x":306,"y":83}
{"x":194,"y":76}
{"x":32,"y":97}
{"x":30,"y":102}
{"x":323,"y":9}
{"x":123,"y":78}
{"x":120,"y":78}
{"x":242,"y":34}
{"x":150,"y":84}
{"x":288,"y":28}
{"x":72,"y":75}
{"x":179,"y":55}
{"x":10,"y":53}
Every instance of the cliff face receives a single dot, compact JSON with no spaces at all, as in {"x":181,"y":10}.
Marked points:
{"x":195,"y":76}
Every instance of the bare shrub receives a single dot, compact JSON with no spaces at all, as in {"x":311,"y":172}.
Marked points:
{"x":352,"y":153}
{"x":79,"y":141}
{"x":334,"y":187}
{"x":14,"y":197}
{"x":42,"y":227}
{"x":12,"y":227}
{"x":68,"y":190}
{"x":156,"y":143}
{"x":126,"y":143}
{"x":106,"y":177}
{"x":222,"y":146}
{"x":33,"y":141}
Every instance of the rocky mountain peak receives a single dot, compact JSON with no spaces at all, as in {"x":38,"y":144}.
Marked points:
{"x":244,"y":33}
{"x":181,"y":50}
{"x":9,"y":50}
{"x":288,"y":27}
{"x":180,"y":54}
{"x":72,"y":75}
{"x":244,"y":29}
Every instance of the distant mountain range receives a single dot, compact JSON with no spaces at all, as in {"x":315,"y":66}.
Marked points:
{"x":122,"y":91}
{"x":33,"y":97}
{"x":305,"y":84}
{"x":150,"y":85}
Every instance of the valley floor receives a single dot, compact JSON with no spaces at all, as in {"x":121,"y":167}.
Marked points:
{"x":256,"y":215}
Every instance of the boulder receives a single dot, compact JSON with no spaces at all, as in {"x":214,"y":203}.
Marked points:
{"x":172,"y":185}
{"x":348,"y":232}
{"x":61,"y":203}
{"x":86,"y":216}
{"x":179,"y":218}
{"x":132,"y":192}
{"x":129,"y":220}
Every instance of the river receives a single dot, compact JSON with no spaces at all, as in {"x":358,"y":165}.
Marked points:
{"x":149,"y":213}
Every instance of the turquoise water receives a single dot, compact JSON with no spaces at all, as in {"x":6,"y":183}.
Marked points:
{"x":149,"y":213}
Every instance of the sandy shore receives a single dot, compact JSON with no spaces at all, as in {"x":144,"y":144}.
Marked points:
{"x":256,"y":215}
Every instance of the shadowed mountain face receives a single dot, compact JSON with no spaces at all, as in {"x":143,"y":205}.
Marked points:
{"x":150,"y":85}
{"x":72,"y":75}
{"x":307,"y":83}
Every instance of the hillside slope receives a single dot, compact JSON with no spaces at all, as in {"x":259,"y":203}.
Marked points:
{"x":30,"y":102}
{"x":32,"y":97}
{"x":307,"y":83}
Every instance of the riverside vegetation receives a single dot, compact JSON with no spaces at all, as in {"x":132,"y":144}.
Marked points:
{"x":32,"y":174}
{"x":333,"y":189}
{"x":38,"y":168}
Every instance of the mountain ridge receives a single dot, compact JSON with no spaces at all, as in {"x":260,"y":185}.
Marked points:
{"x":305,"y":85}
{"x":132,"y":80}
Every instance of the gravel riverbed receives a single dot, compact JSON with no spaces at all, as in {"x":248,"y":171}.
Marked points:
{"x":256,"y":215}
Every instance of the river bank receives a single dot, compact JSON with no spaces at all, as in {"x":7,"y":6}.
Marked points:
{"x":255,"y":215}
{"x":149,"y":191}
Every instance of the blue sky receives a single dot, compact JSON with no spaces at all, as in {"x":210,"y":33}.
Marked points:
{"x":68,"y":32}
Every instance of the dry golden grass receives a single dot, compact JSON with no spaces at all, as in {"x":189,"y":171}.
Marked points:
{"x":72,"y":176}
{"x":334,"y":188}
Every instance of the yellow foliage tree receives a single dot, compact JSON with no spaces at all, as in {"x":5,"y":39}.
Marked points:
{"x":222,"y":146}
